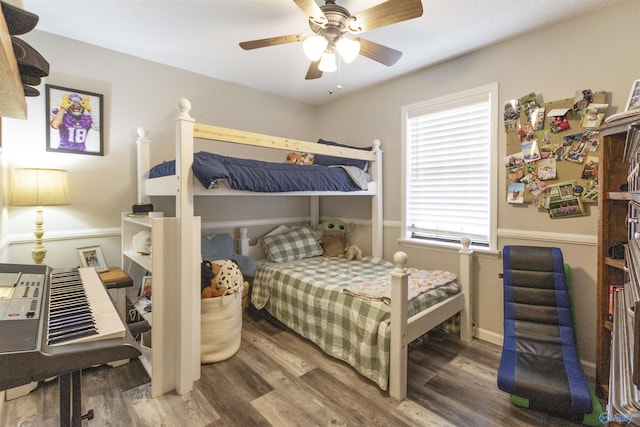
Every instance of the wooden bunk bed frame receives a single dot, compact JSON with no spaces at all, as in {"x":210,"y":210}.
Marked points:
{"x":183,"y":186}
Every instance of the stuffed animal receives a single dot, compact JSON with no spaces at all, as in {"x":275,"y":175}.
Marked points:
{"x":352,"y":252}
{"x":229,"y":275}
{"x":227,"y":279}
{"x":333,"y":236}
{"x":300,"y":158}
{"x":213,"y":290}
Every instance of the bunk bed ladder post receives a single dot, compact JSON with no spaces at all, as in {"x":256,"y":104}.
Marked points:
{"x":188,"y":321}
{"x":399,"y":346}
{"x":143,"y":163}
{"x":377,"y":230}
{"x":466,"y":279}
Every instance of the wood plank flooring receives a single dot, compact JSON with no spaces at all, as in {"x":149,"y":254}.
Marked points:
{"x":279,"y":379}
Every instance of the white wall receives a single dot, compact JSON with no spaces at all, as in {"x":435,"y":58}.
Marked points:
{"x":592,"y":51}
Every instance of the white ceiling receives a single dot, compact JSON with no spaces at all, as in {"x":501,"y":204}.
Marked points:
{"x":203,"y":35}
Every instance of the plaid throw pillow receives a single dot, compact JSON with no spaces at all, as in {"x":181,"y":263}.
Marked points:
{"x":292,"y":245}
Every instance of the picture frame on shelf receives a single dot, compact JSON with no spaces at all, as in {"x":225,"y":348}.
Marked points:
{"x":74,"y":121}
{"x":92,"y":256}
{"x":633,"y":103}
{"x":145,"y":289}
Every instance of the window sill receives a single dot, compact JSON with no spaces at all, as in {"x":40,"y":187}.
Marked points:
{"x":445,"y":246}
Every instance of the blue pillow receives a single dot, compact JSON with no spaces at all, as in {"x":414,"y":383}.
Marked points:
{"x":324,"y":160}
{"x":220,"y":246}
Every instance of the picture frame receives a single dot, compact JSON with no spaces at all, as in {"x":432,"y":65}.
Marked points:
{"x":92,"y":256}
{"x":145,"y":289}
{"x":633,"y":103}
{"x":74,"y":121}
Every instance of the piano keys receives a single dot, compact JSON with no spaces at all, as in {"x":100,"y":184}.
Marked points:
{"x":80,"y":309}
{"x":41,"y":334}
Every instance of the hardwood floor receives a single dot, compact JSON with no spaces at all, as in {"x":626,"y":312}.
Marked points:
{"x":279,"y":379}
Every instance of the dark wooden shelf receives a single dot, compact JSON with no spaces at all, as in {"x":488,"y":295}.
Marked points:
{"x":613,"y":209}
{"x":617,"y":263}
{"x":618,"y":195}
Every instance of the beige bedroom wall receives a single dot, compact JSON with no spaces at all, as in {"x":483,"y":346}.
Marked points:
{"x":136,"y":93}
{"x":592,"y":51}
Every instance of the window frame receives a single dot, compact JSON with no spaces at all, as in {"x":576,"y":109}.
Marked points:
{"x":441,"y":103}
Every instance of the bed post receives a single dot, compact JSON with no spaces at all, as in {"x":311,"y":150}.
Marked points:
{"x":143,"y":163}
{"x":466,"y":280}
{"x":188,"y":322}
{"x":243,"y":242}
{"x":399,"y":345}
{"x":377,"y":228}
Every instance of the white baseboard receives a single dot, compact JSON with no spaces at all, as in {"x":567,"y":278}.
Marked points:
{"x":488,"y":336}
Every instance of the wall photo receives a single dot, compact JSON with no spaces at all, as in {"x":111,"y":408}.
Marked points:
{"x":74,"y":121}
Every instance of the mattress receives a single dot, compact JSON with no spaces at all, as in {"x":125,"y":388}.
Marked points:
{"x":309,"y":297}
{"x":268,"y":177}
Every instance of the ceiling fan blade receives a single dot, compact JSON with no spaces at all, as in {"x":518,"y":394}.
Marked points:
{"x":312,"y":10}
{"x":313,"y":72}
{"x":386,"y":13}
{"x":272,"y":41}
{"x":383,"y":54}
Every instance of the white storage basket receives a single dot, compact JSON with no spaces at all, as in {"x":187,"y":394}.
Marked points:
{"x":220,"y":327}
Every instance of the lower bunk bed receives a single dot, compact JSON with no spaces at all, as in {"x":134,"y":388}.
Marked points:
{"x":364,"y":312}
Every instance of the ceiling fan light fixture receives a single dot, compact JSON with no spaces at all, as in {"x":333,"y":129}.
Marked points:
{"x":328,"y":63}
{"x":313,"y":47}
{"x":349,"y":49}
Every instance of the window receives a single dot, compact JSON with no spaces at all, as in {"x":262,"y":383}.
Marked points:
{"x":449,"y":168}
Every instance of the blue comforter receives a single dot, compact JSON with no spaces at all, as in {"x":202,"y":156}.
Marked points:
{"x":260,"y":176}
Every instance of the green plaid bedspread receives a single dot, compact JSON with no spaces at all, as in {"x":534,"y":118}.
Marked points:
{"x":307,"y":296}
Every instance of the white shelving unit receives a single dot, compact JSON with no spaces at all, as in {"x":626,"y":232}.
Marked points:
{"x":163,"y":355}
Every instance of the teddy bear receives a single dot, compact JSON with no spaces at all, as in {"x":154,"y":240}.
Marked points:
{"x":298,"y":158}
{"x":352,"y":252}
{"x":333,"y":238}
{"x":213,"y":290}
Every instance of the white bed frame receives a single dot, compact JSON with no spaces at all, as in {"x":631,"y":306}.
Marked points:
{"x":185,"y":188}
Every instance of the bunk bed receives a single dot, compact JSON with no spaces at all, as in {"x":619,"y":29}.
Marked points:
{"x":187,"y":187}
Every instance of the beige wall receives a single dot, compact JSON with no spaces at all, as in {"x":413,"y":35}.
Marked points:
{"x":592,"y":51}
{"x":136,"y":93}
{"x":583,"y":53}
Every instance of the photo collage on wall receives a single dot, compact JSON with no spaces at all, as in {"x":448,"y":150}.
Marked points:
{"x":552,"y":156}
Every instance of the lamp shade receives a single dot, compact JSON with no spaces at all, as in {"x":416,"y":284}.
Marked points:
{"x":39,"y":187}
{"x":328,"y":63}
{"x":349,"y":49}
{"x":313,"y":47}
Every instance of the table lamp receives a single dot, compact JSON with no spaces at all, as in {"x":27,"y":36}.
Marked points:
{"x":39,"y":187}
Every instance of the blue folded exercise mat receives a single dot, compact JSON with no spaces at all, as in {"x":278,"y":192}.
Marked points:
{"x":540,"y":367}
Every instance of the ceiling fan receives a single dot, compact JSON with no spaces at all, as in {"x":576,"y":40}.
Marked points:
{"x":333,"y":25}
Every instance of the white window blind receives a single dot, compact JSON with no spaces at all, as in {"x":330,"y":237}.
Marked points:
{"x":448,"y":169}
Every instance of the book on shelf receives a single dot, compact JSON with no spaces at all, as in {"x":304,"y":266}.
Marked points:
{"x":115,"y":277}
{"x":145,"y":214}
{"x":612,"y":290}
{"x":632,"y":142}
{"x":138,"y":215}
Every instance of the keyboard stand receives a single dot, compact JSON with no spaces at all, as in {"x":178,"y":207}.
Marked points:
{"x":71,"y":400}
